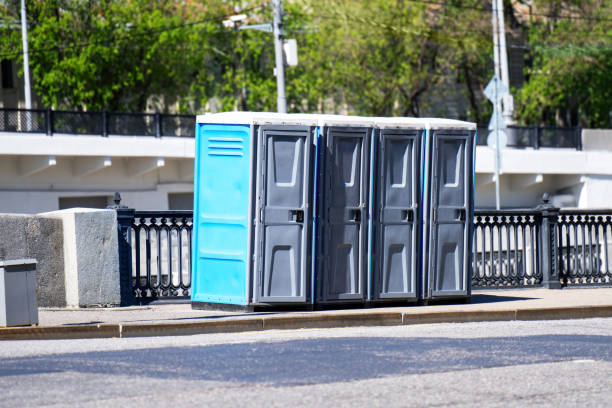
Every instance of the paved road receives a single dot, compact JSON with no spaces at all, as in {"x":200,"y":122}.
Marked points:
{"x":551,"y":363}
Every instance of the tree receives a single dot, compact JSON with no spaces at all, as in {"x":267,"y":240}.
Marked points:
{"x":96,"y":54}
{"x":569,"y":81}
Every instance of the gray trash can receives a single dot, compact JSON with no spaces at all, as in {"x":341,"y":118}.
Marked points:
{"x":18,"y":306}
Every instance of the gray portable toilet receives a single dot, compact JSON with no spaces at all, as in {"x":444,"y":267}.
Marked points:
{"x":448,"y":201}
{"x":344,"y":200}
{"x":396,"y":209}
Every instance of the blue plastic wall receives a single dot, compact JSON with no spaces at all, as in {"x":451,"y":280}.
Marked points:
{"x":221,"y":214}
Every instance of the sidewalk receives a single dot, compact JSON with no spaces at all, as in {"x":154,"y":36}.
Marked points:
{"x":180,"y":319}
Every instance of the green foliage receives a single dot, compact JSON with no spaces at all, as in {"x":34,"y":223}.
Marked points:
{"x":569,"y":81}
{"x":375,"y":57}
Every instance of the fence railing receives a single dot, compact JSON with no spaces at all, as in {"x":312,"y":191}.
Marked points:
{"x":584,"y":246}
{"x":537,"y":137}
{"x":505,"y":249}
{"x":104,"y":123}
{"x":541,"y":247}
{"x":155,"y":254}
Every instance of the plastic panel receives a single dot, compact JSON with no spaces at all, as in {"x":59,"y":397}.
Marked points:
{"x":221,"y":224}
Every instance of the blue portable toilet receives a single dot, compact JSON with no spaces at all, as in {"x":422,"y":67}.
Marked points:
{"x":253,"y":203}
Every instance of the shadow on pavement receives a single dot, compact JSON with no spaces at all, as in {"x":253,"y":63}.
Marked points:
{"x":478,"y":298}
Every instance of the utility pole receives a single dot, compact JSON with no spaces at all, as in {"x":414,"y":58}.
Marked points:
{"x":508,"y":101}
{"x":26,"y":61}
{"x":280,"y":64}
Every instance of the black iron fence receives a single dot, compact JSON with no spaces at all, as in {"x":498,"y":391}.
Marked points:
{"x":155,"y":254}
{"x":541,"y":247}
{"x":104,"y":123}
{"x":505,"y":249}
{"x":537,"y":137}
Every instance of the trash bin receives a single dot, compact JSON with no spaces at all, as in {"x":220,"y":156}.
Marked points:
{"x":448,"y":203}
{"x":18,"y":306}
{"x":253,"y":203}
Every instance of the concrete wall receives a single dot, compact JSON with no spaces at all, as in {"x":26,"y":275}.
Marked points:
{"x":28,"y":236}
{"x":33,"y":202}
{"x":76,"y":251}
{"x":597,"y":139}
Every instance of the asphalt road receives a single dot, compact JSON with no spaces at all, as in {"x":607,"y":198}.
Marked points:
{"x":549,"y":363}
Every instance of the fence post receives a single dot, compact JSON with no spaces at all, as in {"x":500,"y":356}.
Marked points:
{"x":158,"y":125}
{"x":125,"y":216}
{"x":49,"y":122}
{"x":549,"y":251}
{"x":105,"y":132}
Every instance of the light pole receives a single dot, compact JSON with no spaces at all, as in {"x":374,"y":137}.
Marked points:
{"x":281,"y":100}
{"x":26,"y":61}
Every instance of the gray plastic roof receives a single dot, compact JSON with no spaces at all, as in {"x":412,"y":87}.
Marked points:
{"x":297,"y":119}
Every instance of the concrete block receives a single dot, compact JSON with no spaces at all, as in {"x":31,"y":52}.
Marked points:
{"x":91,"y":257}
{"x":28,"y":236}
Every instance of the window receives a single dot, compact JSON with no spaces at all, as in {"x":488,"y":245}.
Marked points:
{"x":180,"y":201}
{"x":86,"y":202}
{"x":7,"y":74}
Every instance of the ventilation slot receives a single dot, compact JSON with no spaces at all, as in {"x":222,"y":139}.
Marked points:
{"x":225,"y":146}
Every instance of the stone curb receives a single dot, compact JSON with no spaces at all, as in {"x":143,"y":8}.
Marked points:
{"x":305,"y":321}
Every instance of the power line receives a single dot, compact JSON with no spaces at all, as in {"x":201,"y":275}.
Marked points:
{"x":127,"y":37}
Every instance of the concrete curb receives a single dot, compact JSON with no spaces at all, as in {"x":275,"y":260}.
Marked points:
{"x":302,"y":321}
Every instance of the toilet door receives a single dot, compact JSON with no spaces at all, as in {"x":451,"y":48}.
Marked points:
{"x":397,"y":214}
{"x":345,"y":206}
{"x":284,"y":215}
{"x":450,"y":196}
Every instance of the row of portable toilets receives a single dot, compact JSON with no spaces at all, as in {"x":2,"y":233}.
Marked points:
{"x":294,"y":209}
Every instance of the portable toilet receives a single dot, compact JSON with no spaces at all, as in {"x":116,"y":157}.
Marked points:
{"x":294,"y":209}
{"x":343,"y":209}
{"x":448,"y":209}
{"x":396,"y":209}
{"x":253,"y":203}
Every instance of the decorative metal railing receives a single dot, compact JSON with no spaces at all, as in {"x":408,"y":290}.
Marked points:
{"x":537,"y":136}
{"x":584,"y":247}
{"x":161,"y":254}
{"x":544,"y":247}
{"x":104,"y":123}
{"x":505,"y":249}
{"x":154,"y":254}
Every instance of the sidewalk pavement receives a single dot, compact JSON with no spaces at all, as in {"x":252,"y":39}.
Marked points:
{"x":181,"y":319}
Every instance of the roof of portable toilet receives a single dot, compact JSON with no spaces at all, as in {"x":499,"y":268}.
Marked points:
{"x":422,"y":123}
{"x":296,"y":119}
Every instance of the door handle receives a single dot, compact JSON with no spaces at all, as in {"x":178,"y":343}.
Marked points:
{"x":296,"y":215}
{"x":460,"y":214}
{"x":408,"y":215}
